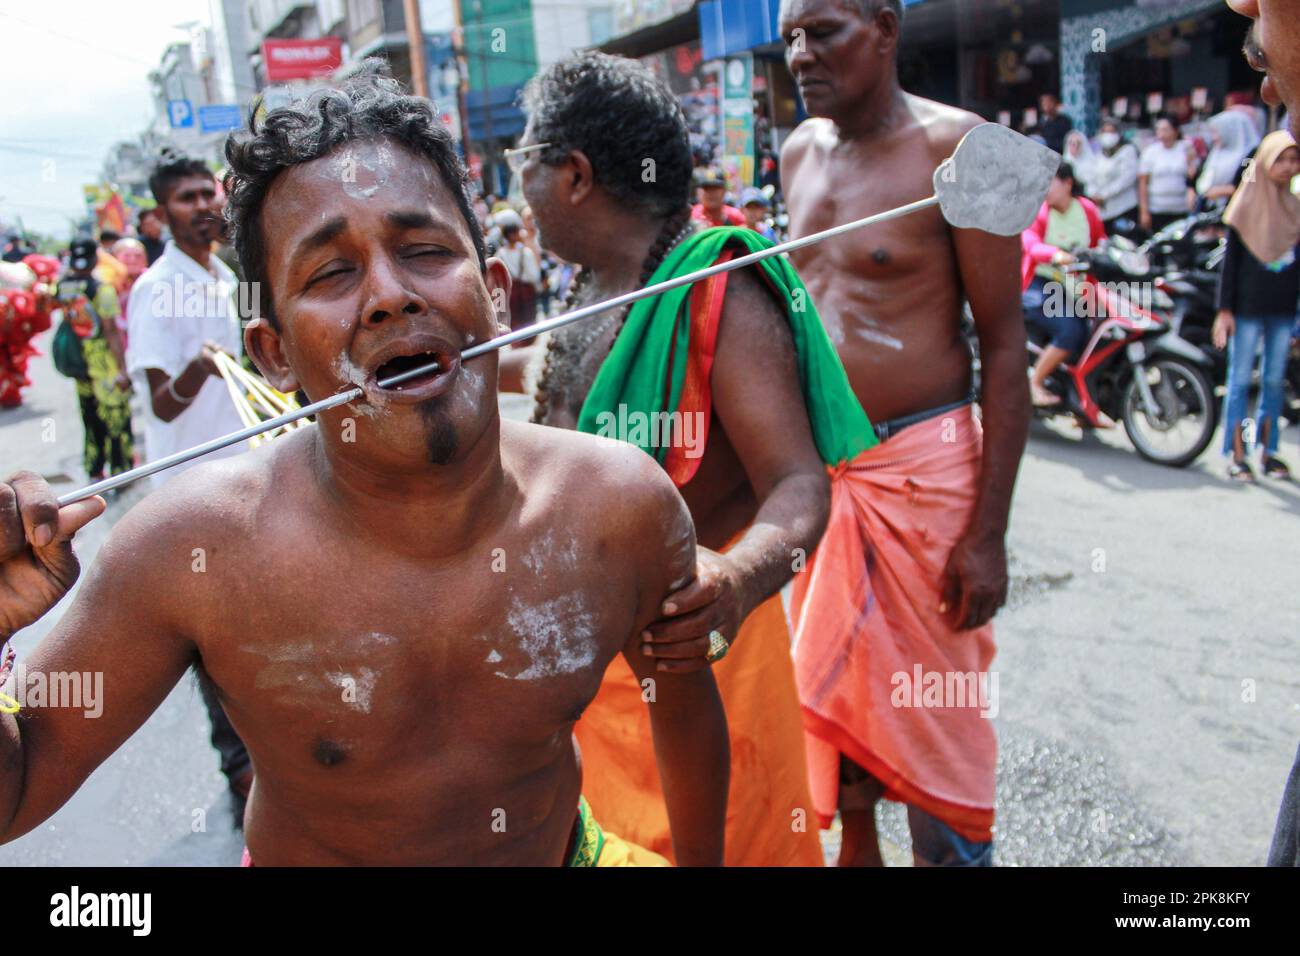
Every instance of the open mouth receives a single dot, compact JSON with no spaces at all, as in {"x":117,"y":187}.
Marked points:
{"x":424,"y":369}
{"x":397,"y":369}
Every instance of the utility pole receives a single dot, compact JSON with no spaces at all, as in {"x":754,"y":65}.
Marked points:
{"x":415,"y":40}
{"x":462,"y":75}
{"x":489,"y":150}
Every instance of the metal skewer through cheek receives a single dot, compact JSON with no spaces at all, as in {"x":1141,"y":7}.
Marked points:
{"x":995,"y":180}
{"x":527,"y":332}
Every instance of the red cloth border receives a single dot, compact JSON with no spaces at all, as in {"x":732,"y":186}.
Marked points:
{"x":707,"y":298}
{"x":974,"y":823}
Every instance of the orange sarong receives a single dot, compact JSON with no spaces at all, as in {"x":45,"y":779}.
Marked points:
{"x":883,"y":678}
{"x":770,"y":816}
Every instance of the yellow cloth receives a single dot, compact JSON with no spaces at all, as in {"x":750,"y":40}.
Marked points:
{"x":596,"y":848}
{"x":770,"y":816}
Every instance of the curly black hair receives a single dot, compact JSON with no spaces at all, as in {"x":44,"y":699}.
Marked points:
{"x":171,"y":168}
{"x":370,"y":105}
{"x":619,"y":115}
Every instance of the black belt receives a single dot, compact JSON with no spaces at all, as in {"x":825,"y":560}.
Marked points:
{"x":887,"y":430}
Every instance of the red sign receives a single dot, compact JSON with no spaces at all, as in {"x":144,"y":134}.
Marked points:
{"x":301,"y":59}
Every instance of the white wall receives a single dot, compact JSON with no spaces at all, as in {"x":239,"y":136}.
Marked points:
{"x":561,"y":26}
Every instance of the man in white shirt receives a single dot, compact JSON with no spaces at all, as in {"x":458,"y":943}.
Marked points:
{"x":180,"y":312}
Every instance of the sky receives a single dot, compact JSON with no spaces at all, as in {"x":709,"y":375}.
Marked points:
{"x":73,"y":81}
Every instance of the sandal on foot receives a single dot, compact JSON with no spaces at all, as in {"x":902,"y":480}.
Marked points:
{"x":1276,"y":468}
{"x":1240,"y":471}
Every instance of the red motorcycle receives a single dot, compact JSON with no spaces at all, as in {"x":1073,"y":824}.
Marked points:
{"x":1134,"y":368}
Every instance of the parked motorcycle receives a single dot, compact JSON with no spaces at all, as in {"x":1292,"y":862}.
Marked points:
{"x":1135,"y":368}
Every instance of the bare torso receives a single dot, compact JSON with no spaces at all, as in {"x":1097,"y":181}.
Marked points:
{"x":889,"y":295}
{"x":406,"y":711}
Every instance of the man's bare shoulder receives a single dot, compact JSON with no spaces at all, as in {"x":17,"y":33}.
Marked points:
{"x":615,"y":481}
{"x":944,"y":125}
{"x":212,"y":505}
{"x":811,"y":131}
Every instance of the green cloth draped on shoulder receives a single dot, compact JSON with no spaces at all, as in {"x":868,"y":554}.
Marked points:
{"x":651,"y":351}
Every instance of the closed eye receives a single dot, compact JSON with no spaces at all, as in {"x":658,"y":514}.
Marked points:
{"x":327,"y":275}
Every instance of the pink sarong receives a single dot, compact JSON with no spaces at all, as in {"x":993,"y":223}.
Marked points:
{"x":883,"y":678}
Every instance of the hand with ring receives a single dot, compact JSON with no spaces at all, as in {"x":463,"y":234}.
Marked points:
{"x":700,"y":619}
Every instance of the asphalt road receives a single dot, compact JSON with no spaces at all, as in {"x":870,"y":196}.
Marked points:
{"x":1149,"y":671}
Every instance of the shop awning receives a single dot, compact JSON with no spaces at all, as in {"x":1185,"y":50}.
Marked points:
{"x":664,"y":35}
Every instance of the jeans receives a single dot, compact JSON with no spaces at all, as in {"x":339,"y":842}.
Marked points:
{"x":934,"y":843}
{"x":1066,"y":331}
{"x":1274,"y":332}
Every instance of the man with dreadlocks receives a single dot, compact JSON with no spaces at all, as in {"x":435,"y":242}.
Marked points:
{"x":736,"y":391}
{"x":407,"y":662}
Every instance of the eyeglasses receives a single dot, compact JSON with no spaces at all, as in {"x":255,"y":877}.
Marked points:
{"x":515,"y":158}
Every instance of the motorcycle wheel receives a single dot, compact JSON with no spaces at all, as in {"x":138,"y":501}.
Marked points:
{"x":1187,"y":413}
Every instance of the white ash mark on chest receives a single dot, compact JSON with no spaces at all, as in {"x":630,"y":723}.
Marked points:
{"x":556,"y":636}
{"x":356,"y":690}
{"x":553,"y":552}
{"x":867,"y":329}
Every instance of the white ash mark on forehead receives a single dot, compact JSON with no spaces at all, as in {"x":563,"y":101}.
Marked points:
{"x":363,"y":167}
{"x":557,"y":636}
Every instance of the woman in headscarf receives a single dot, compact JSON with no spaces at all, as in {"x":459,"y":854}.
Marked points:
{"x":1081,"y":157}
{"x":1234,"y":138}
{"x":1257,"y":298}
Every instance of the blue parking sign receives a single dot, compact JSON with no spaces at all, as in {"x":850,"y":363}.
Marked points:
{"x":219,"y":116}
{"x":180,"y":113}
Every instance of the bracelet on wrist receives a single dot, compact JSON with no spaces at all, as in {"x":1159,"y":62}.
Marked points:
{"x":171,"y":390}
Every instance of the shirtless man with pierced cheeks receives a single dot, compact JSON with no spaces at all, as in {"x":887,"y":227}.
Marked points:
{"x":403,"y":627}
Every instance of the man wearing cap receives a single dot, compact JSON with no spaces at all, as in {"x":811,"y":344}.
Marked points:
{"x":712,"y":208}
{"x":755,"y":207}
